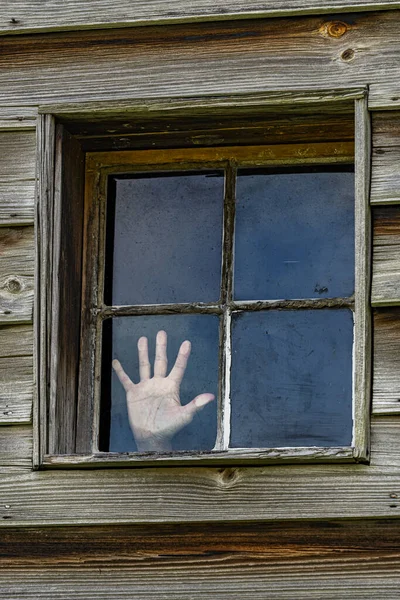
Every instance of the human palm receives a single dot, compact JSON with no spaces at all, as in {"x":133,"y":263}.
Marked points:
{"x":154,"y":408}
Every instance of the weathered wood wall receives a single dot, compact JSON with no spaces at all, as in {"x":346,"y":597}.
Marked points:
{"x":23,"y":16}
{"x":314,"y":559}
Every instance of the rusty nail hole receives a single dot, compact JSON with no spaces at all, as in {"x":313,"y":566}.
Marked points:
{"x":394,"y":98}
{"x":393,"y":496}
{"x":14,"y":21}
{"x":7,"y":517}
{"x":347,"y":54}
{"x":7,"y":312}
{"x":336,"y":29}
{"x":393,"y":505}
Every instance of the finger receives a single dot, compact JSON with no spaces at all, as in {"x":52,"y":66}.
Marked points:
{"x":197,"y":404}
{"x":122,"y":376}
{"x":161,"y":361}
{"x":144,"y":364}
{"x":179,"y":368}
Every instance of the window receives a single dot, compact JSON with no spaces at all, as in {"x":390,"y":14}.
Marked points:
{"x":244,"y":237}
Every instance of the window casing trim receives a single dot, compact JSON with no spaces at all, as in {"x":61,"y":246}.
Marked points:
{"x":260,"y":156}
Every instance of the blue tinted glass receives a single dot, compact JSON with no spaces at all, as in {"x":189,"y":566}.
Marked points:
{"x":201,"y":374}
{"x":167,"y":239}
{"x":291,"y":382}
{"x":294,"y":235}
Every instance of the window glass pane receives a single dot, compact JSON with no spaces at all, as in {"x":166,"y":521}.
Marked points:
{"x":201,"y":375}
{"x":291,"y":382}
{"x":167,"y":238}
{"x":294,"y":234}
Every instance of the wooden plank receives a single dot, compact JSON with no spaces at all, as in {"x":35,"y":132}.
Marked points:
{"x":386,"y":256}
{"x":385,"y":447}
{"x":386,"y":376}
{"x":386,"y":129}
{"x":16,"y":375}
{"x":16,"y":389}
{"x":17,"y":156}
{"x":385,"y":184}
{"x":15,"y":449}
{"x":173,"y":132}
{"x":20,"y":118}
{"x":202,"y":59}
{"x":22,"y":17}
{"x":220,"y":577}
{"x":44,"y":245}
{"x":17,"y":201}
{"x":163,"y":495}
{"x":17,"y":171}
{"x":66,"y":292}
{"x":277,"y":541}
{"x":362,"y":324}
{"x":16,"y":340}
{"x":16,"y":274}
{"x":385,"y":181}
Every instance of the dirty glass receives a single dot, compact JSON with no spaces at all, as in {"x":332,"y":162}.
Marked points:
{"x":292,"y":378}
{"x":201,"y":375}
{"x":291,"y":382}
{"x":294,"y":234}
{"x":167,"y":238}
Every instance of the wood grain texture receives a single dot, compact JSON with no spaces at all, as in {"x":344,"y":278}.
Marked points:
{"x":43,"y":313}
{"x":220,"y":578}
{"x":16,"y":340}
{"x":17,"y":201}
{"x":146,"y":495}
{"x":386,"y":376}
{"x":202,"y":59}
{"x":16,"y":389}
{"x":66,"y":291}
{"x":16,"y":374}
{"x":18,"y":118}
{"x":385,"y":183}
{"x":15,"y":449}
{"x":17,"y":156}
{"x":17,"y":172}
{"x":362,"y":327}
{"x":16,"y":274}
{"x":273,"y":541}
{"x":280,"y":560}
{"x":386,"y":256}
{"x":20,"y":16}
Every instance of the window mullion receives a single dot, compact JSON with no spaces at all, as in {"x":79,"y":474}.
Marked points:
{"x":223,"y":431}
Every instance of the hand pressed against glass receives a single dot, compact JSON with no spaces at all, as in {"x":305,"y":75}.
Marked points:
{"x":154,"y":408}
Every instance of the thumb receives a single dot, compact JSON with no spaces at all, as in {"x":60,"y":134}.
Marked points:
{"x":197,"y":404}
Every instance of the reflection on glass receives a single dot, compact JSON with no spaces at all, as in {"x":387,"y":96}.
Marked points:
{"x":294,"y":235}
{"x":167,"y":238}
{"x":158,"y":422}
{"x":291,"y":382}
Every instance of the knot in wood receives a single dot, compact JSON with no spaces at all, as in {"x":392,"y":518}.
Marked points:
{"x":228,"y":476}
{"x":14,"y":285}
{"x":347,"y":54}
{"x":336,"y":29}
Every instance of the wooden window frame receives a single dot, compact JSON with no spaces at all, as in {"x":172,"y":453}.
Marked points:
{"x":66,"y":424}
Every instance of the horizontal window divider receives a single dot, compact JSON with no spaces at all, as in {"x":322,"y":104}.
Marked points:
{"x":215,"y":457}
{"x":301,"y":304}
{"x":160,"y":309}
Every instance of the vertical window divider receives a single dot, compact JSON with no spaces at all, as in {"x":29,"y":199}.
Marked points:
{"x":224,"y":401}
